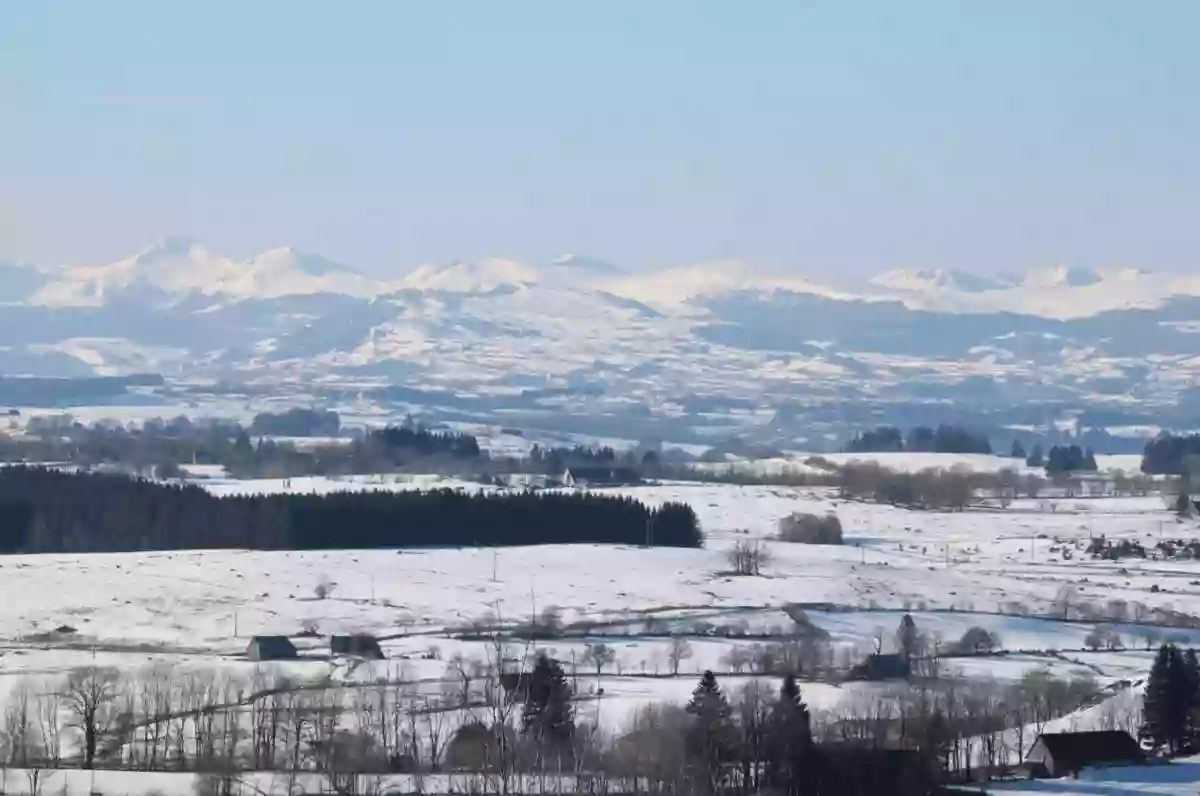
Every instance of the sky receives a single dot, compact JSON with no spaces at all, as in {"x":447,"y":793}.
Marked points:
{"x":806,"y":137}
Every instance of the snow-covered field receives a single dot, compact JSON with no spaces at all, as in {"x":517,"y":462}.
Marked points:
{"x":1178,"y":778}
{"x":953,"y":571}
{"x":796,"y":462}
{"x":944,"y":564}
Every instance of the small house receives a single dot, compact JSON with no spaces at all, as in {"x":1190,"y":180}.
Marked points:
{"x":882,"y":667}
{"x":358,"y":645}
{"x":1063,"y":754}
{"x":271,"y":648}
{"x":583,"y":477}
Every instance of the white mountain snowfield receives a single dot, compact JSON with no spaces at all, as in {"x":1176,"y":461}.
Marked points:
{"x":1058,"y":292}
{"x":618,"y":335}
{"x":180,"y":267}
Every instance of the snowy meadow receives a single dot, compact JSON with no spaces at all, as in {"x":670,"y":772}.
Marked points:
{"x":165,"y":635}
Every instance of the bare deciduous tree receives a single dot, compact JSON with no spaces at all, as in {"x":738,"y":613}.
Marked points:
{"x":89,"y":695}
{"x":599,"y":655}
{"x":748,"y":557}
{"x":678,"y":652}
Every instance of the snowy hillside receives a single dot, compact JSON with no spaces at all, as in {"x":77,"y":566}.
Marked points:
{"x":1060,"y":292}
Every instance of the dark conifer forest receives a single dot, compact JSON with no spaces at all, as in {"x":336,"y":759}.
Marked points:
{"x":49,"y":511}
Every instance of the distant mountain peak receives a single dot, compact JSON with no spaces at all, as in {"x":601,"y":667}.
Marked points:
{"x":289,"y":257}
{"x":590,"y":265}
{"x":176,"y":267}
{"x":939,"y":279}
{"x":481,"y":276}
{"x":1063,"y":276}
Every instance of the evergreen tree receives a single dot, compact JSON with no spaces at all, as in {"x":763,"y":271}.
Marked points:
{"x":908,"y":639}
{"x":1018,"y":452}
{"x":1172,"y":696}
{"x":936,"y":737}
{"x":1037,"y":458}
{"x":712,"y":739}
{"x":1191,"y":668}
{"x":548,"y":714}
{"x":789,"y":742}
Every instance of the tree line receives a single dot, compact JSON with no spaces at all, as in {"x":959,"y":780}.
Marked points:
{"x":516,"y":716}
{"x":44,"y":510}
{"x":517,"y":721}
{"x":921,"y":439}
{"x":297,"y":422}
{"x":159,"y":448}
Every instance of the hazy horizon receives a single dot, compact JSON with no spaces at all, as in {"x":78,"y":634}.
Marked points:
{"x":808,"y":138}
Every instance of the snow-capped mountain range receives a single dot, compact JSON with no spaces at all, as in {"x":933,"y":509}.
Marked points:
{"x":178,"y":269}
{"x":577,"y":322}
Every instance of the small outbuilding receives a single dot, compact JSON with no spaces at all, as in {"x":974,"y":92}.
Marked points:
{"x":358,"y":645}
{"x":271,"y":648}
{"x":583,"y":477}
{"x":1064,"y":754}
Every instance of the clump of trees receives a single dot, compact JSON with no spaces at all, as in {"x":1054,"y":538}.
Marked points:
{"x":402,"y":443}
{"x":928,"y":489}
{"x":45,"y":510}
{"x":802,"y":528}
{"x":1104,"y":638}
{"x":977,"y":640}
{"x":885,"y":439}
{"x":922,"y":439}
{"x":748,"y":557}
{"x":297,"y":422}
{"x":1168,"y":454}
{"x":1070,"y":459}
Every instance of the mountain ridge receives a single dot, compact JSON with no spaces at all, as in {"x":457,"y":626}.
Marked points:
{"x":579,"y":324}
{"x":177,"y":268}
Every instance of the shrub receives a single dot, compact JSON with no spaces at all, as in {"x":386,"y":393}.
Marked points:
{"x":977,"y":639}
{"x":803,"y":528}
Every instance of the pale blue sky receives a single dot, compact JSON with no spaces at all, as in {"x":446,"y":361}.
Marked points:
{"x":813,"y":137}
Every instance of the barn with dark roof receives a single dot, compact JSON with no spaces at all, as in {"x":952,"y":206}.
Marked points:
{"x":1063,"y":754}
{"x":271,"y":648}
{"x":358,"y":645}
